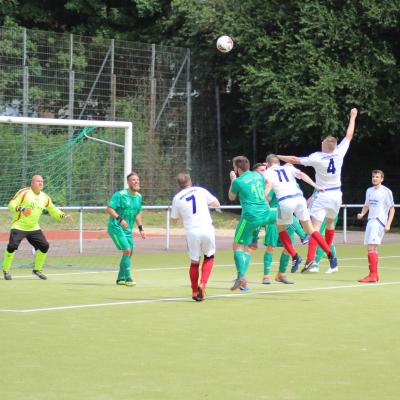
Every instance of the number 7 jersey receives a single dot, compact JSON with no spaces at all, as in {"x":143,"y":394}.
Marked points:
{"x":328,"y":166}
{"x":191,"y":205}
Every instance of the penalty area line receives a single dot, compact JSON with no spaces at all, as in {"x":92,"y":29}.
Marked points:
{"x":187,"y":299}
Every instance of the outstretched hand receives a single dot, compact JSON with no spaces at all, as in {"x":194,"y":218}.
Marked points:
{"x":353,"y":112}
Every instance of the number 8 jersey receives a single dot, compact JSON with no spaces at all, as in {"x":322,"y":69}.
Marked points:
{"x":328,"y":166}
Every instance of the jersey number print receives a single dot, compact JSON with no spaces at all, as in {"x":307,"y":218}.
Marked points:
{"x":193,"y":200}
{"x":331,"y":167}
{"x":282,"y":172}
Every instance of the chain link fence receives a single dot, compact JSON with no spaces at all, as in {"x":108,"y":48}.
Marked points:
{"x":52,"y":75}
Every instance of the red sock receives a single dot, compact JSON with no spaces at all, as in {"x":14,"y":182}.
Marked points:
{"x":194,"y":276}
{"x":329,"y":234}
{"x":206,"y":269}
{"x":287,"y":243}
{"x":321,"y":241}
{"x":312,"y":249}
{"x":373,"y":262}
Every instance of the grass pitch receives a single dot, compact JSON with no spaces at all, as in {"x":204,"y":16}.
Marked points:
{"x":79,"y":336}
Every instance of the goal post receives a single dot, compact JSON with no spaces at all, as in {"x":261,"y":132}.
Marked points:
{"x":84,"y":123}
{"x":77,"y":158}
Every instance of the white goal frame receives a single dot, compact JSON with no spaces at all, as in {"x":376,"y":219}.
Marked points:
{"x":79,"y":122}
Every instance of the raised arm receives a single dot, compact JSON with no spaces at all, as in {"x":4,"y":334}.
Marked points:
{"x":303,"y":176}
{"x":352,"y":124}
{"x":289,"y":159}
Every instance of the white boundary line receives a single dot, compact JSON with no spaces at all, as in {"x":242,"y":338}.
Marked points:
{"x":156,"y":269}
{"x":177,"y":299}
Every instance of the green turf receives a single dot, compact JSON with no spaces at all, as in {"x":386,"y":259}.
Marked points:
{"x":317,"y":339}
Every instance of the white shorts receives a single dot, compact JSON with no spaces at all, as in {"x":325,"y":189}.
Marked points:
{"x":326,"y":204}
{"x":374,"y":232}
{"x":201,"y":241}
{"x":290,"y":206}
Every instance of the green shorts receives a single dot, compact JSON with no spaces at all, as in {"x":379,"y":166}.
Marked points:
{"x":247,"y":230}
{"x":272,"y":236}
{"x":121,"y":240}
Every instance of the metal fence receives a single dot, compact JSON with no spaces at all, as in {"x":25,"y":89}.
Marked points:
{"x":52,"y":75}
{"x":82,"y":225}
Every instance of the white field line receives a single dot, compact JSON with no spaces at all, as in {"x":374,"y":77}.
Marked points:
{"x":215,"y":266}
{"x":179,"y":299}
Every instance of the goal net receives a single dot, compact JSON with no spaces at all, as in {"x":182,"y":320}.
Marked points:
{"x":82,"y":162}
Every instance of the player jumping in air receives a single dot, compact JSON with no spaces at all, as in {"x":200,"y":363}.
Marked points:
{"x":328,"y":167}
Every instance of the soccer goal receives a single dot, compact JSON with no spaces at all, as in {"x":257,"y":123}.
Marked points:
{"x":82,"y":162}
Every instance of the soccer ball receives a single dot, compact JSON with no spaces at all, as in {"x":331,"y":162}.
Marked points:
{"x":224,"y":44}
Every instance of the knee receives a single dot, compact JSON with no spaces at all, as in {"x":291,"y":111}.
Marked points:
{"x":126,"y":252}
{"x":43,"y":247}
{"x":11,"y":247}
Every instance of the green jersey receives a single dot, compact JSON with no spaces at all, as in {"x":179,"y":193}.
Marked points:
{"x":274,"y":201}
{"x":250,"y":188}
{"x":126,"y":205}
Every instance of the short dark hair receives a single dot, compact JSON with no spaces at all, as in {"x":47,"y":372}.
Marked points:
{"x":131,"y":174}
{"x":378,"y":171}
{"x":241,"y":162}
{"x":258,"y":165}
{"x":184,"y":180}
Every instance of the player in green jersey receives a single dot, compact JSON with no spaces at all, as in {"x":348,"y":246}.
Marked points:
{"x":249,"y":187}
{"x":125,"y":209}
{"x":27,"y":207}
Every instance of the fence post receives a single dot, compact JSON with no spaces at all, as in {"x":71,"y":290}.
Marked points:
{"x":168,"y":227}
{"x":81,"y":230}
{"x":345,"y":224}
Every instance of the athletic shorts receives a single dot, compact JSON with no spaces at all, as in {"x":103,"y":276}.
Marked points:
{"x":374,"y":232}
{"x":326,"y":204}
{"x":290,"y":206}
{"x":200,"y":241}
{"x":247,"y":230}
{"x":272,"y":236}
{"x":35,"y":238}
{"x":122,"y":240}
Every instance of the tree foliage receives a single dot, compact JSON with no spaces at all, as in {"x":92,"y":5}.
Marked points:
{"x":297,"y":67}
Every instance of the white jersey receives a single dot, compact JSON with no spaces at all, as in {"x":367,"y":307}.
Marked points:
{"x":328,"y":166}
{"x":379,"y":200}
{"x":191,"y":204}
{"x":283,"y":179}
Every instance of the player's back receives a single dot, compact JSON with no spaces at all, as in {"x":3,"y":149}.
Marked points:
{"x":192,"y":205}
{"x":283,"y":180}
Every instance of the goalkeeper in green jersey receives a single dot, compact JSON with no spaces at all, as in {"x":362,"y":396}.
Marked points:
{"x":125,"y":209}
{"x":26,"y":207}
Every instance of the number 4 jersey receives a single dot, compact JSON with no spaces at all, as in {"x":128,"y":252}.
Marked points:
{"x":191,"y":205}
{"x":328,"y":166}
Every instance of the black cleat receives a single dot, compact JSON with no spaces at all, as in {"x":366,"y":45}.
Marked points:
{"x":39,"y":274}
{"x":7,"y":276}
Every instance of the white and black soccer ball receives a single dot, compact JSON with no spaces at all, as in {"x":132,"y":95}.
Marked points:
{"x":225,"y":44}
